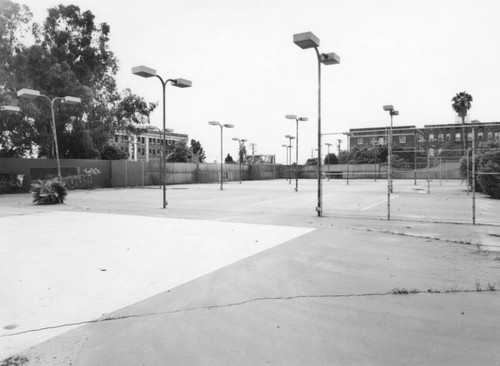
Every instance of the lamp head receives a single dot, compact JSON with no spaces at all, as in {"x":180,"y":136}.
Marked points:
{"x":228,"y":125}
{"x":28,"y":93}
{"x":144,"y":71}
{"x":395,"y":113}
{"x":330,"y":58}
{"x":182,"y":83}
{"x":214,"y":123}
{"x":288,"y":136}
{"x":10,"y":108}
{"x":303,"y":119}
{"x":71,"y":100}
{"x":284,"y":145}
{"x":306,"y":40}
{"x":169,"y":130}
{"x":236,"y":139}
{"x":291,"y":116}
{"x":388,"y":107}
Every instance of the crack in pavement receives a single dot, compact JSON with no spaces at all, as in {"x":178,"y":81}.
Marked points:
{"x":415,"y":236}
{"x":393,"y":292}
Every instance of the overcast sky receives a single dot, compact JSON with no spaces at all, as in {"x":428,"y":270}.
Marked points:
{"x":247,"y":71}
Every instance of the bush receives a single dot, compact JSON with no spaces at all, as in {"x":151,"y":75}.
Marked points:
{"x":48,"y":192}
{"x":489,"y":165}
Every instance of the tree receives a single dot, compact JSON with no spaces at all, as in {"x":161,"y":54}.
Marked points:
{"x":181,"y":153}
{"x":229,"y":159}
{"x":331,"y":159}
{"x":242,"y":153}
{"x":70,"y":56}
{"x":110,"y":152}
{"x":461,"y":104}
{"x":197,"y":152}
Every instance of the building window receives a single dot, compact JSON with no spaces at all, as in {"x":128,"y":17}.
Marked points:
{"x":457,"y":137}
{"x":381,"y":141}
{"x":497,"y":136}
{"x":490,"y":135}
{"x":469,"y":136}
{"x":116,"y":138}
{"x":431,"y":137}
{"x":142,"y":139}
{"x":448,"y":136}
{"x":402,"y":139}
{"x":360,"y":141}
{"x":440,"y":137}
{"x":480,"y":135}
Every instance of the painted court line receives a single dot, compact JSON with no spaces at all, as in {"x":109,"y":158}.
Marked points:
{"x":67,"y":267}
{"x":378,"y":203}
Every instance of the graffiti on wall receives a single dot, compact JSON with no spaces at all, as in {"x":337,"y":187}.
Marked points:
{"x":81,"y":181}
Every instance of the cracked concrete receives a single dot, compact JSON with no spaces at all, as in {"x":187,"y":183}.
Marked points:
{"x":306,"y":301}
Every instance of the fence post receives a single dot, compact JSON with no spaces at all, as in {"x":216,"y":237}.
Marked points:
{"x":126,"y":173}
{"x":473,"y":177}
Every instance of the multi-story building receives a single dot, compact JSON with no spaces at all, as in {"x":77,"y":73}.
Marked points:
{"x":402,"y":136}
{"x":450,"y":136}
{"x":148,"y":145}
{"x":431,"y":138}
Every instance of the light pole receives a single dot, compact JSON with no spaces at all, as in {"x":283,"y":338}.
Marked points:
{"x":227,"y":125}
{"x":147,"y":72}
{"x":392,"y":112}
{"x":290,"y":138}
{"x":309,"y":40}
{"x":240,"y":143}
{"x":163,"y":171}
{"x":293,"y":116}
{"x":328,"y":154}
{"x":31,"y":94}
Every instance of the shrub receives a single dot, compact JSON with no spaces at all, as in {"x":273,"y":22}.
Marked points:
{"x":48,"y":192}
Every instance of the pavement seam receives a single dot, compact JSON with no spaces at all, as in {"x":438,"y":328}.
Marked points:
{"x":396,"y":291}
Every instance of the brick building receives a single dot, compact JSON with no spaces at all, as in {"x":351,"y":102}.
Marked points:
{"x":148,"y":145}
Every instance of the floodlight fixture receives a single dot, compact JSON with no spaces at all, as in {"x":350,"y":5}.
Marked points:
{"x":388,"y":107}
{"x":71,"y":100}
{"x":182,"y":83}
{"x":306,"y":40}
{"x":291,"y":116}
{"x":28,"y":93}
{"x":143,"y":71}
{"x":330,"y":58}
{"x":10,"y":108}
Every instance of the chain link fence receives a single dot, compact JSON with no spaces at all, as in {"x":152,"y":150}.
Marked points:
{"x":456,"y":182}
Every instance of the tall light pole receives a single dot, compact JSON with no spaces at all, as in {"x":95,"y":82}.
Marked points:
{"x":147,"y":72}
{"x":286,"y":155}
{"x":163,"y":171}
{"x":290,"y":138}
{"x":240,"y":144}
{"x":31,"y":94}
{"x":309,"y":40}
{"x":392,"y":112}
{"x":328,"y":154}
{"x":226,"y":125}
{"x":293,"y":116}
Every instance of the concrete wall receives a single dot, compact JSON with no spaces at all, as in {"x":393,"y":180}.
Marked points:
{"x":124,"y":173}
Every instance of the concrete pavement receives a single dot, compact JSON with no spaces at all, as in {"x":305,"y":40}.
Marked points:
{"x":332,"y":292}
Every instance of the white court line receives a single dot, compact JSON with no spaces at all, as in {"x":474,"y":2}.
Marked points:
{"x":378,"y":203}
{"x":67,"y":267}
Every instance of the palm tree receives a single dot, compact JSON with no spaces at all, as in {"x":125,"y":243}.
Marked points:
{"x":461,"y":104}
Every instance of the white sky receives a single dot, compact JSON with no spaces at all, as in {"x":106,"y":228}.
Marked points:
{"x":247,"y":71}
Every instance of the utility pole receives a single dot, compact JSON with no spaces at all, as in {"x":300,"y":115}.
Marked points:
{"x":252,"y":146}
